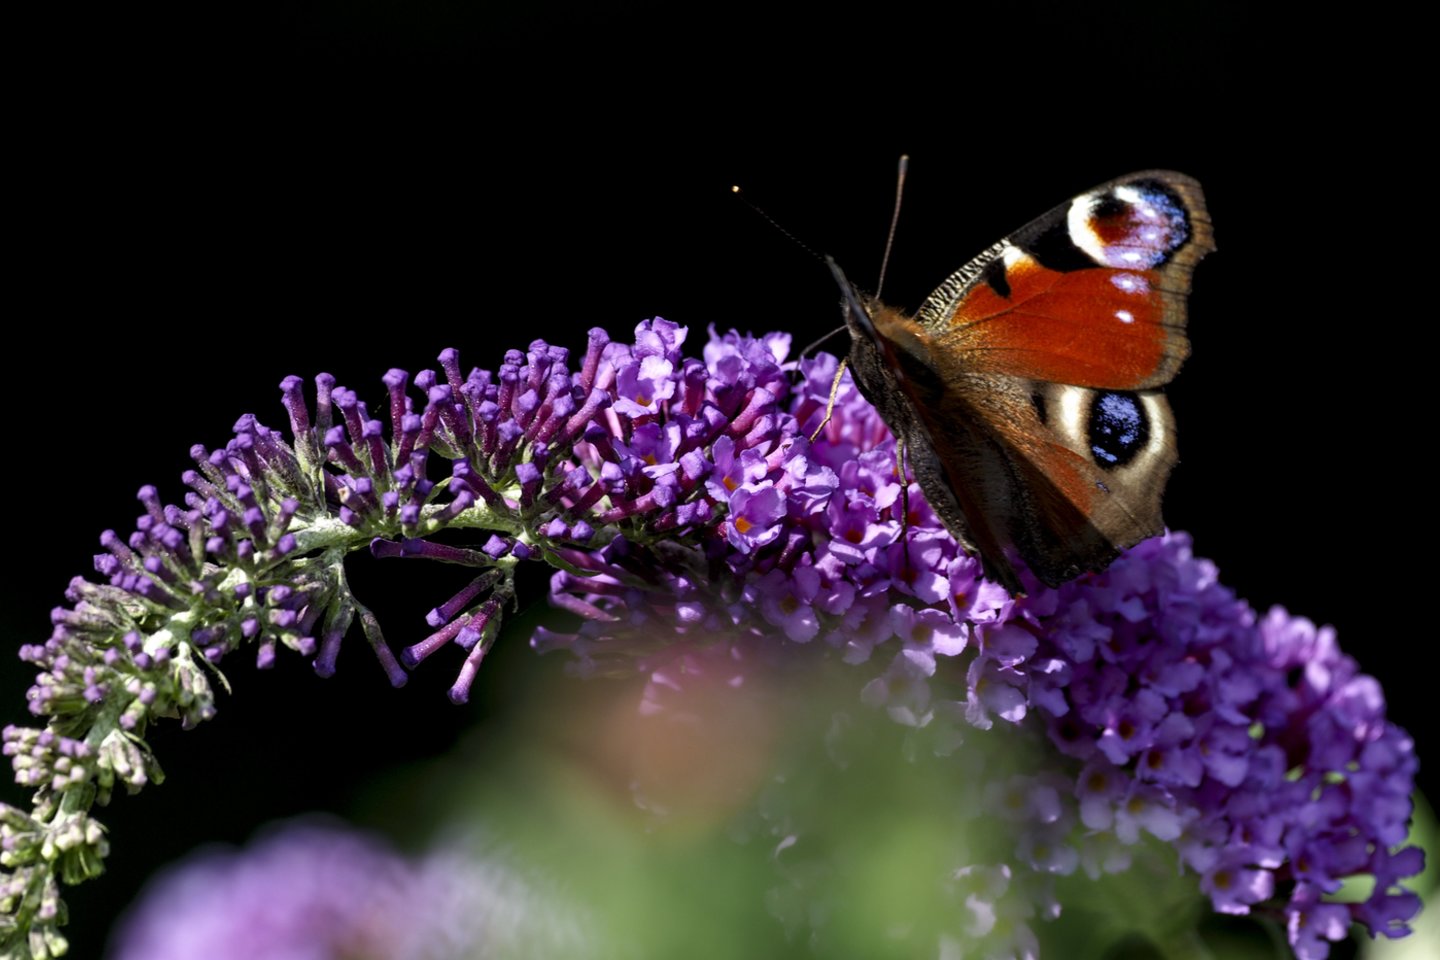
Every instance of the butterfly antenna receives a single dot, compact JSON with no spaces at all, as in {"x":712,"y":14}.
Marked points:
{"x":735,"y":189}
{"x":894,"y":221}
{"x":775,"y":223}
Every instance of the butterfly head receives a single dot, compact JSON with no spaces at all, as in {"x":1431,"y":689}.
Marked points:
{"x":857,"y":317}
{"x":889,"y":352}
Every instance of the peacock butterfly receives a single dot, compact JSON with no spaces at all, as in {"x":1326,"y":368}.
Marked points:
{"x":1026,"y":390}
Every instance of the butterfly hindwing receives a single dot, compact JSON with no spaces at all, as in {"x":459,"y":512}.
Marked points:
{"x":1027,"y":385}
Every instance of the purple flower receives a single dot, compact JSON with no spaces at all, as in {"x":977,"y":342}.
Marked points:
{"x":304,"y":893}
{"x":1235,"y":888}
{"x":754,"y":517}
{"x":1313,"y":925}
{"x":787,"y":602}
{"x":641,"y":386}
{"x":732,"y":468}
{"x":308,"y":892}
{"x":659,"y":338}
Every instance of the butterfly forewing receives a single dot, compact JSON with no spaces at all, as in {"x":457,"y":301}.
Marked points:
{"x":1091,"y":294}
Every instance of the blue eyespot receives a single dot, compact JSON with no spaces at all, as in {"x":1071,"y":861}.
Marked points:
{"x":1118,"y":428}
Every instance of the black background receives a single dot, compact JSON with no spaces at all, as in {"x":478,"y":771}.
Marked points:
{"x":213,"y":201}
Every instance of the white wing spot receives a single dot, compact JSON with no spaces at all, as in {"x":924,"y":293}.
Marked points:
{"x":1131,"y":283}
{"x":1072,"y":412}
{"x":1080,"y":223}
{"x":1155,"y":413}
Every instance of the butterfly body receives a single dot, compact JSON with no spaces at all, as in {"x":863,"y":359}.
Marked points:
{"x":1026,"y":388}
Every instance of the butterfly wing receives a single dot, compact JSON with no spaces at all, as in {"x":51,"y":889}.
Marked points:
{"x":1090,"y":294}
{"x":1026,"y":386}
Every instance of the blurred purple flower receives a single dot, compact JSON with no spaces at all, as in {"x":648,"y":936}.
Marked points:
{"x":323,"y":892}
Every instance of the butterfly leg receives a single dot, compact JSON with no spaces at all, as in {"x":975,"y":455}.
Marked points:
{"x":904,"y":502}
{"x":830,"y":407}
{"x":904,"y":483}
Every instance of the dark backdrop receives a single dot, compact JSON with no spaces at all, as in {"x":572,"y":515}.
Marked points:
{"x":212,"y":201}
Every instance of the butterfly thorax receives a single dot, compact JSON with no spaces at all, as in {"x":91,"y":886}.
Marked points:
{"x":893,"y":365}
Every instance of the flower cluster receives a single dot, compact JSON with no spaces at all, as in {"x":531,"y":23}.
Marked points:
{"x":814,"y":538}
{"x":708,"y":510}
{"x":1251,"y":745}
{"x":538,"y":456}
{"x":314,"y":890}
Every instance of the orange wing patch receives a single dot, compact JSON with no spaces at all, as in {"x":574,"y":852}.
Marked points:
{"x":1101,"y":328}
